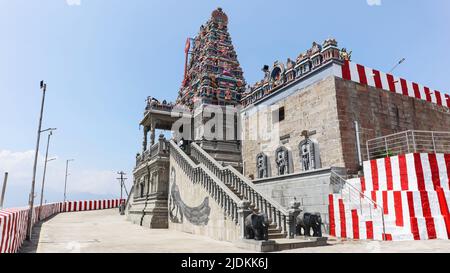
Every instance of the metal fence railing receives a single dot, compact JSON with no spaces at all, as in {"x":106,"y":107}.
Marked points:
{"x":408,"y":142}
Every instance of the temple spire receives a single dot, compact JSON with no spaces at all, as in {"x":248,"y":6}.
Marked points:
{"x":213,"y":74}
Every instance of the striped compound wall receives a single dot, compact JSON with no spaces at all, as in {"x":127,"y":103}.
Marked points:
{"x":372,"y":77}
{"x":413,"y":193}
{"x":13,"y":222}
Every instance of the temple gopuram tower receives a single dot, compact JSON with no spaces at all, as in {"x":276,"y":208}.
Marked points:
{"x":212,"y":89}
{"x":212,"y":74}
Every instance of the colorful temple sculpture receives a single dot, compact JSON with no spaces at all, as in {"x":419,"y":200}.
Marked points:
{"x":213,"y":74}
{"x":312,"y":136}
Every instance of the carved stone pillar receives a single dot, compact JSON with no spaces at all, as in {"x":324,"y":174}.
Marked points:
{"x":294,"y":211}
{"x":144,"y":142}
{"x":243,"y":212}
{"x":152,"y":133}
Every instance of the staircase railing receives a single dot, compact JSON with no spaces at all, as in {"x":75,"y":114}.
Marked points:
{"x":244,"y":187}
{"x":353,"y":194}
{"x":198,"y":173}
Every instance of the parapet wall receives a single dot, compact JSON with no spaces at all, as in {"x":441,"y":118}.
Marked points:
{"x":13,"y":222}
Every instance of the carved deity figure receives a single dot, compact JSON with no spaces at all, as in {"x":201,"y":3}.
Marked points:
{"x":309,"y":152}
{"x":282,"y":160}
{"x":261,"y":164}
{"x":306,"y":156}
{"x":346,"y":55}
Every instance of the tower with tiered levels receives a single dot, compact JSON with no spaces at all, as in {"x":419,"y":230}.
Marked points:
{"x":212,"y":74}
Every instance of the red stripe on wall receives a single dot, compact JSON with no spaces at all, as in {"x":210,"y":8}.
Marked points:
{"x":385,"y":203}
{"x":377,"y":79}
{"x":404,"y":87}
{"x":403,"y":172}
{"x":362,"y":74}
{"x":416,"y":90}
{"x":343,"y":220}
{"x":4,"y":237}
{"x":363,"y":186}
{"x":438,"y":97}
{"x":398,"y":208}
{"x":419,"y":172}
{"x":109,"y":204}
{"x":444,"y":209}
{"x":388,"y":237}
{"x":355,"y":224}
{"x":90,"y":205}
{"x":369,"y":230}
{"x":391,"y":82}
{"x":431,"y":228}
{"x":434,"y":170}
{"x":374,"y":168}
{"x":14,"y":230}
{"x":346,"y":75}
{"x":427,"y":94}
{"x":412,"y":216}
{"x":331,"y":214}
{"x":9,"y":230}
{"x":447,"y":98}
{"x":447,"y":164}
{"x":85,"y":205}
{"x":389,"y":179}
{"x":374,"y":198}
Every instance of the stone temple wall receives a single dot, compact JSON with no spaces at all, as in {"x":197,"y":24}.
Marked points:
{"x":210,"y":220}
{"x":313,"y":108}
{"x":380,"y":113}
{"x":311,"y":189}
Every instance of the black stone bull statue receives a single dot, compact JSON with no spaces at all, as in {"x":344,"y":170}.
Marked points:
{"x":257,"y":227}
{"x":308,"y":221}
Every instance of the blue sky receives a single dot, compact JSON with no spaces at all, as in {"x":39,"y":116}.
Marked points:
{"x":102,"y":58}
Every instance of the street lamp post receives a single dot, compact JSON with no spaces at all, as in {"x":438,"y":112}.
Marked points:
{"x":45,"y":169}
{"x":65,"y":181}
{"x":33,"y":181}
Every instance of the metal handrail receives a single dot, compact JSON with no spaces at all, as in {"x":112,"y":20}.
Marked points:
{"x":407,"y":142}
{"x":363,"y":196}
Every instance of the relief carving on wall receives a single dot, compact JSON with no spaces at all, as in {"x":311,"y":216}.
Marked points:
{"x":282,"y":160}
{"x":261,"y":165}
{"x":198,"y":216}
{"x":309,"y":152}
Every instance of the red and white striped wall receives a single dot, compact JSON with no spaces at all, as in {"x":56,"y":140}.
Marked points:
{"x":372,"y":77}
{"x":13,"y":222}
{"x":73,"y":206}
{"x":411,"y":191}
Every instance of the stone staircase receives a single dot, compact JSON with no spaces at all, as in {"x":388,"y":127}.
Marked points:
{"x":282,"y":224}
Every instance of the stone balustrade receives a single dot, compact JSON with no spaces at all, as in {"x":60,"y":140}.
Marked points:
{"x":285,"y":219}
{"x":199,"y":173}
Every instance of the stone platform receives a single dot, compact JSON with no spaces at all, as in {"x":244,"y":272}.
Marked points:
{"x":281,"y":244}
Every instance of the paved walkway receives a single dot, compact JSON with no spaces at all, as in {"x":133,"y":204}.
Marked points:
{"x":106,"y":231}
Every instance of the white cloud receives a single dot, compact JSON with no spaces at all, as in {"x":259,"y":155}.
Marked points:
{"x":73,"y":2}
{"x":19,"y":165}
{"x":374,"y":2}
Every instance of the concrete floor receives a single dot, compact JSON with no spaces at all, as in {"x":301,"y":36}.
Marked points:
{"x":106,"y":231}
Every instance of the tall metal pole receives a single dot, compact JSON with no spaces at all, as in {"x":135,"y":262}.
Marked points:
{"x":358,"y":144}
{"x":4,"y":190}
{"x":33,"y":182}
{"x":65,"y":181}
{"x":43,"y":177}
